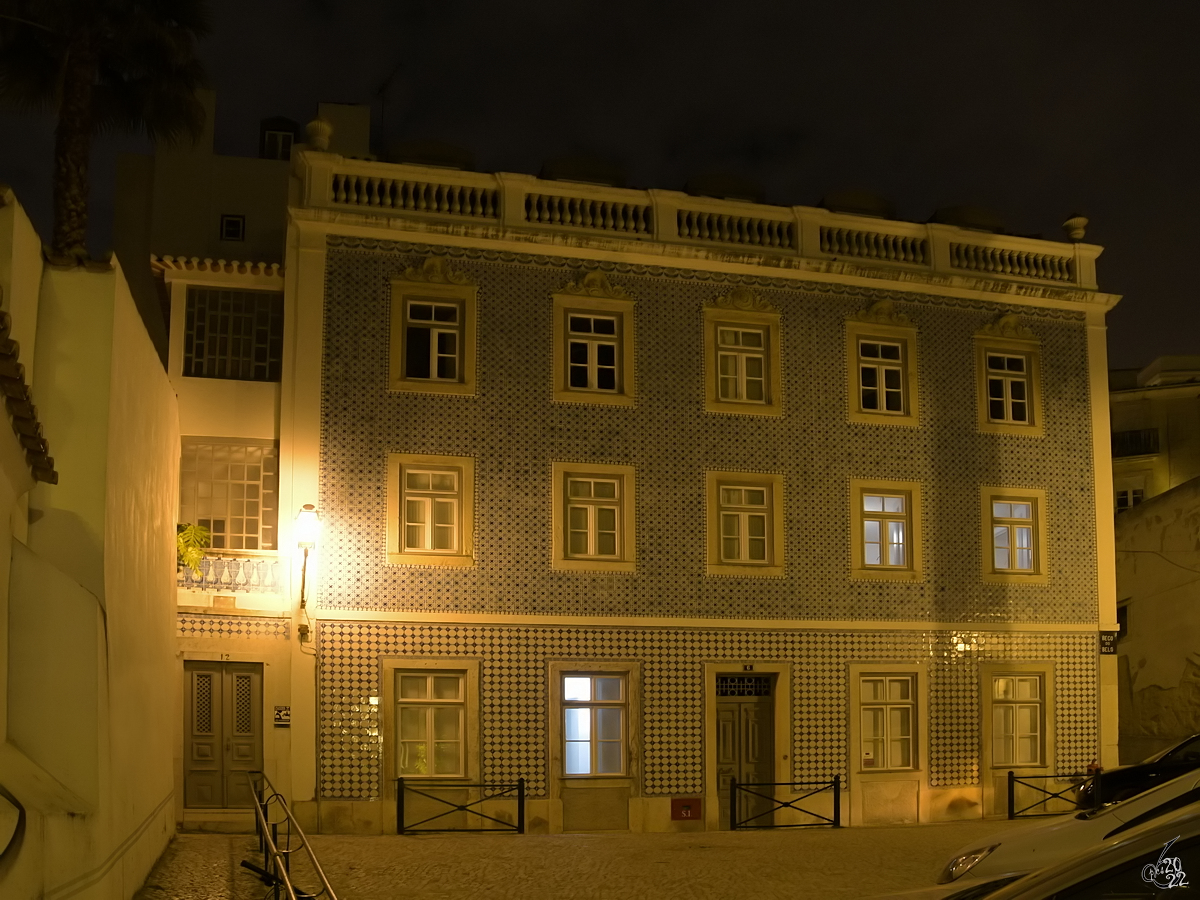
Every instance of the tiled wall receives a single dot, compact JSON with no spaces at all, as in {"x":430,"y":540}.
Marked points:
{"x":514,"y":706}
{"x":514,"y":431}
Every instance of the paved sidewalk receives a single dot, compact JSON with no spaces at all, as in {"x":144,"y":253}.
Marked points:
{"x":808,"y":864}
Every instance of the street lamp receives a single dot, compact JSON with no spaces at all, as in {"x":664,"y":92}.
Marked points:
{"x":308,"y":529}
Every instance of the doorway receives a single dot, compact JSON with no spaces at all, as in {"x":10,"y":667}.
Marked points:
{"x":745,"y":744}
{"x":222,"y":733}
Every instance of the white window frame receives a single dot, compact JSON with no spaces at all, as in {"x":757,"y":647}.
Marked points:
{"x":594,"y":739}
{"x":563,"y":506}
{"x":592,"y":342}
{"x":862,"y":565}
{"x":430,"y":707}
{"x":630,"y":670}
{"x":988,"y":345}
{"x":721,"y":511}
{"x":1010,"y":735}
{"x":399,"y":551}
{"x":746,"y":517}
{"x":437,"y":329}
{"x":432,"y":501}
{"x":231,"y":499}
{"x":886,"y":706}
{"x":436,"y":284}
{"x":989,"y":671}
{"x":860,"y":333}
{"x":991,"y":524}
{"x":880,"y":367}
{"x":763,"y":320}
{"x":621,"y":312}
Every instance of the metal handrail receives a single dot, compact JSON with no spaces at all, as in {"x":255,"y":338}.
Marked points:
{"x":817,"y":787}
{"x":278,"y":861}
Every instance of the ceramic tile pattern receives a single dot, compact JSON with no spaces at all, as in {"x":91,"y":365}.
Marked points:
{"x":205,"y":625}
{"x":514,"y":431}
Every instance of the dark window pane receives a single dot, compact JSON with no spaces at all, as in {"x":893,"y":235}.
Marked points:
{"x":996,"y":409}
{"x":868,"y":377}
{"x":995,"y":362}
{"x":447,"y":367}
{"x":1019,"y":411}
{"x":869,"y":350}
{"x":892,"y":400}
{"x":420,"y":311}
{"x":1016,"y":364}
{"x":604,"y":326}
{"x":891,"y":379}
{"x":1018,"y":389}
{"x":578,"y":378}
{"x":579,"y":353}
{"x":870,"y":399}
{"x":606,"y":379}
{"x":996,"y":388}
{"x":581,"y":324}
{"x":890,"y":351}
{"x":416,"y":353}
{"x":606,"y":354}
{"x":445,"y":313}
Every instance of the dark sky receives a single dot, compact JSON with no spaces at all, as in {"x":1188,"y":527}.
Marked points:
{"x":1035,"y":110}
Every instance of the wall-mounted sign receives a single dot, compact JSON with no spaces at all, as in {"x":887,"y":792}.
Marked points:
{"x":283,"y":716}
{"x":1108,"y":642}
{"x":685,"y":808}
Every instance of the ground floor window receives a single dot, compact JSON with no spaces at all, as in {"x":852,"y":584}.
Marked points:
{"x":594,"y":723}
{"x":430,"y":720}
{"x":888,"y":709}
{"x":1017,"y":720}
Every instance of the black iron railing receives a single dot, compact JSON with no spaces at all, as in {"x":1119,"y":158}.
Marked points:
{"x":1045,"y":796}
{"x":273,"y":820}
{"x":487,"y":794}
{"x":766,"y":818}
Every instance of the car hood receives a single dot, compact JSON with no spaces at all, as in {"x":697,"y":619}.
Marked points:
{"x":1028,"y":847}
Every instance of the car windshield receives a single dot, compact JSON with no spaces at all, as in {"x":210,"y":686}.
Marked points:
{"x":1188,"y":751}
{"x":1187,"y":797}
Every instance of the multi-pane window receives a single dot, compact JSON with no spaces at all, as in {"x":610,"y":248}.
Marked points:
{"x":430,"y":722}
{"x":277,"y":144}
{"x":881,"y":376}
{"x":1013,"y":536}
{"x":233,"y":334}
{"x":1017,"y":720}
{"x":233,"y":228}
{"x":594,"y":724}
{"x":593,"y":350}
{"x":745,"y":523}
{"x":1008,"y":387}
{"x":230,"y":488}
{"x":432,"y":501}
{"x":593,"y":517}
{"x":888,"y":709}
{"x":1127,"y":498}
{"x":741,"y":364}
{"x":433,"y":340}
{"x":885,"y":535}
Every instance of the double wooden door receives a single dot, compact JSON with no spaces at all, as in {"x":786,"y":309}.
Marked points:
{"x":746,"y":745}
{"x":223,"y":733}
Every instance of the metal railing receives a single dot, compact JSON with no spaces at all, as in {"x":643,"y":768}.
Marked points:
{"x":276,"y":869}
{"x":1045,"y":796}
{"x":753,"y":821}
{"x":487,"y":793}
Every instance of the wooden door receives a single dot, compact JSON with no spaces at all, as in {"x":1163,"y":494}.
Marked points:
{"x":746,"y":745}
{"x":223,"y":726}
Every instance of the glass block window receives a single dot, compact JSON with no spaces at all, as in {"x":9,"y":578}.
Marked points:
{"x":233,"y":334}
{"x":231,"y":488}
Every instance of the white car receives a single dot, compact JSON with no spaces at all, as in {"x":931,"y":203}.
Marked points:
{"x":983,"y":868}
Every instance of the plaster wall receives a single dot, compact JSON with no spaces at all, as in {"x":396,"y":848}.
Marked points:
{"x":1158,"y":579}
{"x":1175,"y":411}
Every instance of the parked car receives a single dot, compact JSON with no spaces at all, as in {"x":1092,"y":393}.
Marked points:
{"x":1126,"y":781}
{"x":980,"y":869}
{"x":1158,"y":859}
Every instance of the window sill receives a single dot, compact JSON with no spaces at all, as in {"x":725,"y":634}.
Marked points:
{"x":1029,"y":431}
{"x":729,"y":408}
{"x":1037,"y":580}
{"x":427,"y":559}
{"x":594,"y":398}
{"x":594,"y":566}
{"x":859,"y":417}
{"x":421,"y":386}
{"x":743,"y":571}
{"x":865,"y":574}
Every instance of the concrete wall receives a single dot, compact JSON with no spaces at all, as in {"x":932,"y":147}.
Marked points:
{"x":88,"y":609}
{"x":1158,"y":579}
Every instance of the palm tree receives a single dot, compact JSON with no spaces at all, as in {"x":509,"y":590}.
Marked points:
{"x":105,"y":65}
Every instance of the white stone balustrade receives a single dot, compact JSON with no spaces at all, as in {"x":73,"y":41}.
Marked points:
{"x":523,"y":202}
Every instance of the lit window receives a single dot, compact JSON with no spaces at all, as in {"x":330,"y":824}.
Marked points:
{"x":593,"y":513}
{"x":594,"y":724}
{"x":888,"y":710}
{"x":430,"y":507}
{"x":1012,"y":536}
{"x":1017,"y":720}
{"x":885,"y":530}
{"x":886,"y":523}
{"x":230,"y":488}
{"x":430,"y":720}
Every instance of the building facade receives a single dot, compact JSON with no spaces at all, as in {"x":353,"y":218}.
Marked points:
{"x":631,"y":493}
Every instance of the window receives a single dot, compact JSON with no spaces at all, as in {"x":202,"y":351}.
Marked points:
{"x":433,"y":331}
{"x":886,"y":523}
{"x":742,"y":357}
{"x":593,"y":517}
{"x":1017,"y":720}
{"x":430,"y":510}
{"x":745,"y":523}
{"x":888,"y":715}
{"x":430,"y":724}
{"x":233,"y":334}
{"x":233,"y":228}
{"x":1009,"y":392}
{"x":594,"y":724}
{"x":1128,"y":498}
{"x":1123,"y":619}
{"x":230,"y":488}
{"x":593,"y":354}
{"x":277,"y":144}
{"x":1015,"y":535}
{"x":883,"y":374}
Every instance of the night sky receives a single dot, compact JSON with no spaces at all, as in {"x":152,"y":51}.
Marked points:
{"x":1034,"y":110}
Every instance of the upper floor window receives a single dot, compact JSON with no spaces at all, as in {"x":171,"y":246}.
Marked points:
{"x":430,"y":509}
{"x":233,"y":228}
{"x":233,"y":334}
{"x":881,"y":349}
{"x":433,"y":331}
{"x":593,"y":517}
{"x":230,"y":487}
{"x":886,"y":520}
{"x":1008,"y":373}
{"x":741,"y":348}
{"x":745,"y":523}
{"x":1014,"y":534}
{"x":593,"y":352}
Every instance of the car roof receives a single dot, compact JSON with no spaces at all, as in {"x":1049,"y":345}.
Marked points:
{"x":1127,"y":846}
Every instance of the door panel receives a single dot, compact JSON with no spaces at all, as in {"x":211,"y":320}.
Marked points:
{"x":222,"y":733}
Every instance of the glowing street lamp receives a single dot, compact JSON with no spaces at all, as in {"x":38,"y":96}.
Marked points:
{"x":308,"y":529}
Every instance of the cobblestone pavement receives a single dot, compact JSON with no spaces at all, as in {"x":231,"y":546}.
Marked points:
{"x":809,"y":864}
